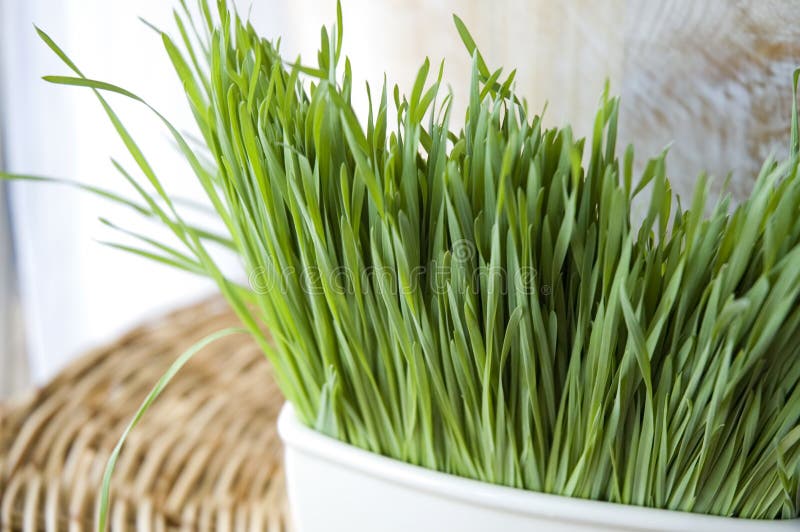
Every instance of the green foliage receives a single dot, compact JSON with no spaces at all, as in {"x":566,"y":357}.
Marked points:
{"x":479,"y":301}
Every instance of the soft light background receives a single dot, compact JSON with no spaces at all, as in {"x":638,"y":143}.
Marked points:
{"x":713,"y":78}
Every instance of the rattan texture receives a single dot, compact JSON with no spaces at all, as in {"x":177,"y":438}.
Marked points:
{"x":206,"y":456}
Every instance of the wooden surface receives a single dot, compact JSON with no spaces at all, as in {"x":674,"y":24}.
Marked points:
{"x":715,"y":79}
{"x":711,"y":78}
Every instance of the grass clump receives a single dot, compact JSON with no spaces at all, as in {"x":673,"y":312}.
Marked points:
{"x":478,"y":301}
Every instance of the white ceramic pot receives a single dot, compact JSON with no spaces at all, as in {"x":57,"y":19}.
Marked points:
{"x":336,"y":487}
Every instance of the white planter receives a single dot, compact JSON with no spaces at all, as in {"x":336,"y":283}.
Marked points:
{"x":336,"y":487}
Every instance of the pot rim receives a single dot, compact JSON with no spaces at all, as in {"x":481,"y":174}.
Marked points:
{"x":299,"y":437}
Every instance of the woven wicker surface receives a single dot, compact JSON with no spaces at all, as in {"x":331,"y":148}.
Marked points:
{"x":206,"y":456}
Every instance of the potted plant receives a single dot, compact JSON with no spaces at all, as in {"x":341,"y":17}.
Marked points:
{"x":471,"y":331}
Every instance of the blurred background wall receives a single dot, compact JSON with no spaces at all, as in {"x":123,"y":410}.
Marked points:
{"x":712,"y":78}
{"x":13,"y":362}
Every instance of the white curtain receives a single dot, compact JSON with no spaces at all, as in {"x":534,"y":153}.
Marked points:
{"x":77,"y":293}
{"x":14,"y":374}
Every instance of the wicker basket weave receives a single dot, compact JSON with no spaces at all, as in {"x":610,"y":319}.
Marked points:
{"x":205,"y":457}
